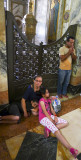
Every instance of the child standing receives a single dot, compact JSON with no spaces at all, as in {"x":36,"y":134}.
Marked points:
{"x":48,"y":118}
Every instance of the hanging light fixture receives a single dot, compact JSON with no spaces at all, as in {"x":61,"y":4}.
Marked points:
{"x":30,"y":23}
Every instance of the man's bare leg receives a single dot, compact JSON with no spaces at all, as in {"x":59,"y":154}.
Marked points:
{"x":8,"y":122}
{"x":12,"y":117}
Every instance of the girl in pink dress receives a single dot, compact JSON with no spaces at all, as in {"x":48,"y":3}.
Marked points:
{"x":52,"y":123}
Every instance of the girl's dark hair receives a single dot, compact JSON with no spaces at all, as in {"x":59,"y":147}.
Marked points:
{"x":35,"y":100}
{"x":43,"y":90}
{"x":36,"y":76}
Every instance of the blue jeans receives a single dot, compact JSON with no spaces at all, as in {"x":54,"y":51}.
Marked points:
{"x":63,"y":81}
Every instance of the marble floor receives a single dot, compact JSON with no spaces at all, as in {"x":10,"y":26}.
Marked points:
{"x":72,"y":133}
{"x":11,"y":136}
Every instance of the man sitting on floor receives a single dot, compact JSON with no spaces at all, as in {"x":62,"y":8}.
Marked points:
{"x":14,"y":111}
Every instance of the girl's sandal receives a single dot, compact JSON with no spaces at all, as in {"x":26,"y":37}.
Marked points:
{"x":74,"y":152}
{"x":46,"y":132}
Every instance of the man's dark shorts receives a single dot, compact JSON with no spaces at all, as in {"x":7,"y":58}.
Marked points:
{"x":16,"y":109}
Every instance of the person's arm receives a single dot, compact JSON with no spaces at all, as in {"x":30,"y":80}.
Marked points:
{"x":23,"y":104}
{"x":53,"y":112}
{"x":74,"y":57}
{"x":64,"y":57}
{"x":24,"y":99}
{"x":45,"y":112}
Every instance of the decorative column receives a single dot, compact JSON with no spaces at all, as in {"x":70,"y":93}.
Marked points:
{"x":60,"y":19}
{"x":42,"y":17}
{"x":30,"y":23}
{"x":7,"y":5}
{"x":63,"y":18}
{"x":66,"y":16}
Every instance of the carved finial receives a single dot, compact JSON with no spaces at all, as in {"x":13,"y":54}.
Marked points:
{"x":30,"y":7}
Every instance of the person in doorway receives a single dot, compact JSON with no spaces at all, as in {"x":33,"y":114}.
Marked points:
{"x":67,"y":54}
{"x":48,"y":118}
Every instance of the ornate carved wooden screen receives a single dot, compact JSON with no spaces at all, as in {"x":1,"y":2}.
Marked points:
{"x":25,"y":60}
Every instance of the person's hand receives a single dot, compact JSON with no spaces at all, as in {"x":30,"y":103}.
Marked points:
{"x":71,"y":50}
{"x":53,"y":98}
{"x":26,"y":114}
{"x":55,"y":119}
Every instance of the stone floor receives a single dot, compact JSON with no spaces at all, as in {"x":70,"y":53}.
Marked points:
{"x":8,"y":131}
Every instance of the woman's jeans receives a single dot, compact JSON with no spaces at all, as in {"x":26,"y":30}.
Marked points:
{"x":63,"y":81}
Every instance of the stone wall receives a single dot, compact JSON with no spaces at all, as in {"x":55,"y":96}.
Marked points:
{"x":60,"y":19}
{"x":75,"y":18}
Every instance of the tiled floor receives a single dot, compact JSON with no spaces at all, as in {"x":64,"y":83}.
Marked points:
{"x":72,"y":133}
{"x":8,"y":131}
